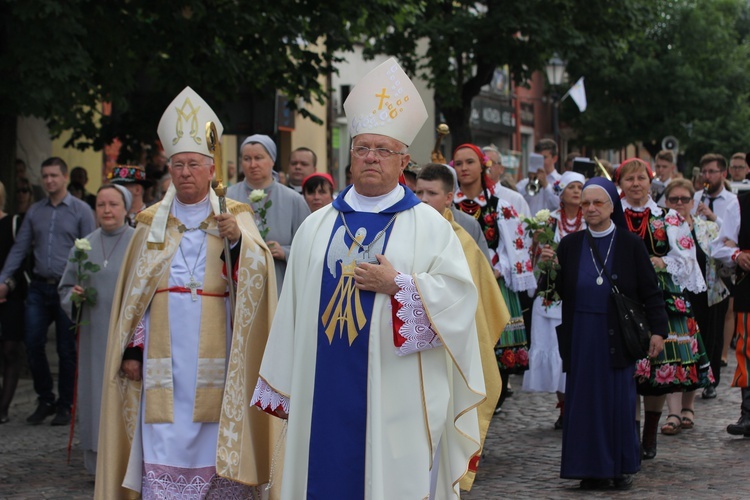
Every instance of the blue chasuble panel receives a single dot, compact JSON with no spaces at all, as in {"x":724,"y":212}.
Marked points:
{"x":336,"y":467}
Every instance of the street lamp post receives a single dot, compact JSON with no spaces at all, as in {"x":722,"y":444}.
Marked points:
{"x":555,"y":71}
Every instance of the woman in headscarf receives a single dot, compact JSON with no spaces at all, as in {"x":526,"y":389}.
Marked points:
{"x":288,"y":209}
{"x":600,"y":436}
{"x":509,"y":251}
{"x":108,"y":245}
{"x":545,"y":366}
{"x":666,"y":237}
{"x":709,"y":307}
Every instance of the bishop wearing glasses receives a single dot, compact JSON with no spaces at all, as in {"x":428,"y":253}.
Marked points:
{"x":373,"y":354}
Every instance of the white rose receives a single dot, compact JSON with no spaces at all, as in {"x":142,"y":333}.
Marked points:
{"x":256,"y":195}
{"x":83,"y":244}
{"x":542,"y":215}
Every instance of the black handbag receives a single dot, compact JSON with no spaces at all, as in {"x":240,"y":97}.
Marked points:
{"x":634,"y":326}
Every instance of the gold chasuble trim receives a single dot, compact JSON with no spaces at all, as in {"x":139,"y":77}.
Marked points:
{"x":158,"y":382}
{"x":212,"y":349}
{"x":246,"y":438}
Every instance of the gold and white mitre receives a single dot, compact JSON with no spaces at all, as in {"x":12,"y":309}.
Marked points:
{"x":386,"y":102}
{"x":182,"y":128}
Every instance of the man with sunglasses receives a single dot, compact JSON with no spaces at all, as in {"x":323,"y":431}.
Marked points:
{"x":711,"y":202}
{"x":373,"y":354}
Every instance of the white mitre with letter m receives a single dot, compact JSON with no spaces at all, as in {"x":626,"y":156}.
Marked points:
{"x":386,"y":102}
{"x":182,"y":128}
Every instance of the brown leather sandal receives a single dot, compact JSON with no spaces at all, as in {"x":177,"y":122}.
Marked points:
{"x":671,"y":428}
{"x":687,"y":422}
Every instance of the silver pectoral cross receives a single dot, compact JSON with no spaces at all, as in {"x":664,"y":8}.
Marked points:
{"x":193,"y":285}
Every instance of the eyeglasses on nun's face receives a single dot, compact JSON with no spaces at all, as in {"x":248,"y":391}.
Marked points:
{"x":674,"y":200}
{"x":596,"y":203}
{"x":363,"y":151}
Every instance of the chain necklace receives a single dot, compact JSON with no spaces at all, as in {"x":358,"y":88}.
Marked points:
{"x":194,"y":284}
{"x":599,"y":279}
{"x":104,"y":255}
{"x":366,"y":248}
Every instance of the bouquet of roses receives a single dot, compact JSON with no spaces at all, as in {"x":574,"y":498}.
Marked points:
{"x":256,"y":196}
{"x":543,"y":233}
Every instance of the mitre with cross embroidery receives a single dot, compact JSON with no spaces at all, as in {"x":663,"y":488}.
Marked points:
{"x":386,"y":102}
{"x":182,"y":128}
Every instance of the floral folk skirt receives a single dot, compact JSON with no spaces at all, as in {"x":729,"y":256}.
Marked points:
{"x":683,"y":364}
{"x":511,"y":351}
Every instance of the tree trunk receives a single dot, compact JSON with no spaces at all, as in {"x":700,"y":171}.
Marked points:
{"x":458,"y":122}
{"x":8,"y":132}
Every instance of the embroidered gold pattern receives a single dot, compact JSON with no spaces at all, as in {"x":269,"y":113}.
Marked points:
{"x":191,"y":117}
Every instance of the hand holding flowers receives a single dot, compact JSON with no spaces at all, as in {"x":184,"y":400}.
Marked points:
{"x":82,"y":294}
{"x":540,"y":229}
{"x":256,"y":196}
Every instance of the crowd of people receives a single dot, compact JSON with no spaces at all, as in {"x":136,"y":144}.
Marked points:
{"x":367,"y":338}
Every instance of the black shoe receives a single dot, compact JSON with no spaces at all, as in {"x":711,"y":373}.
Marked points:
{"x":724,"y":363}
{"x":4,"y":418}
{"x":649,"y":452}
{"x":43,"y":410}
{"x":733,"y":342}
{"x":508,"y":392}
{"x":623,"y":483}
{"x":62,"y":417}
{"x":709,"y":392}
{"x":594,"y":484}
{"x":498,"y":408}
{"x":741,"y":428}
{"x":559,"y":423}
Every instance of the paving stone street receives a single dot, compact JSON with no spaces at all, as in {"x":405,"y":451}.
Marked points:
{"x":522,"y":456}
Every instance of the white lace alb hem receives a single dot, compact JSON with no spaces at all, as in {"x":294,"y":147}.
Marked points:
{"x":416,"y":328}
{"x":268,"y":398}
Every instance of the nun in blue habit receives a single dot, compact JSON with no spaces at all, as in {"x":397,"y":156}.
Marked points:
{"x":600,"y":436}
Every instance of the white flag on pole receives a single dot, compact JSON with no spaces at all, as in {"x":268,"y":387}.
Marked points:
{"x":578,"y":94}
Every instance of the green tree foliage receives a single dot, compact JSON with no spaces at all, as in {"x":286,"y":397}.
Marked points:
{"x":467,"y":40}
{"x":684,"y":74}
{"x":62,"y":58}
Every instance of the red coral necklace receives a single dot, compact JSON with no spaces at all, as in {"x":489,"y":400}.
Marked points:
{"x":570,"y":228}
{"x":632,"y":216}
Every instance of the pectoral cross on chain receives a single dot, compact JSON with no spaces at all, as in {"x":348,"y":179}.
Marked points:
{"x":193,"y":285}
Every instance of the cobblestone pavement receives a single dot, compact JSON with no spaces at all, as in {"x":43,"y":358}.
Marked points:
{"x":522,"y":458}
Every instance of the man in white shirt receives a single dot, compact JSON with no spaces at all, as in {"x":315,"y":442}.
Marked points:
{"x":547,"y":176}
{"x":712,"y":201}
{"x":495,"y":172}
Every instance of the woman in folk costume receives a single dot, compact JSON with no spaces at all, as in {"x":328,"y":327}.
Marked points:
{"x":108,"y":245}
{"x":707,"y":306}
{"x":672,"y":252}
{"x":509,"y":251}
{"x":545,"y":365}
